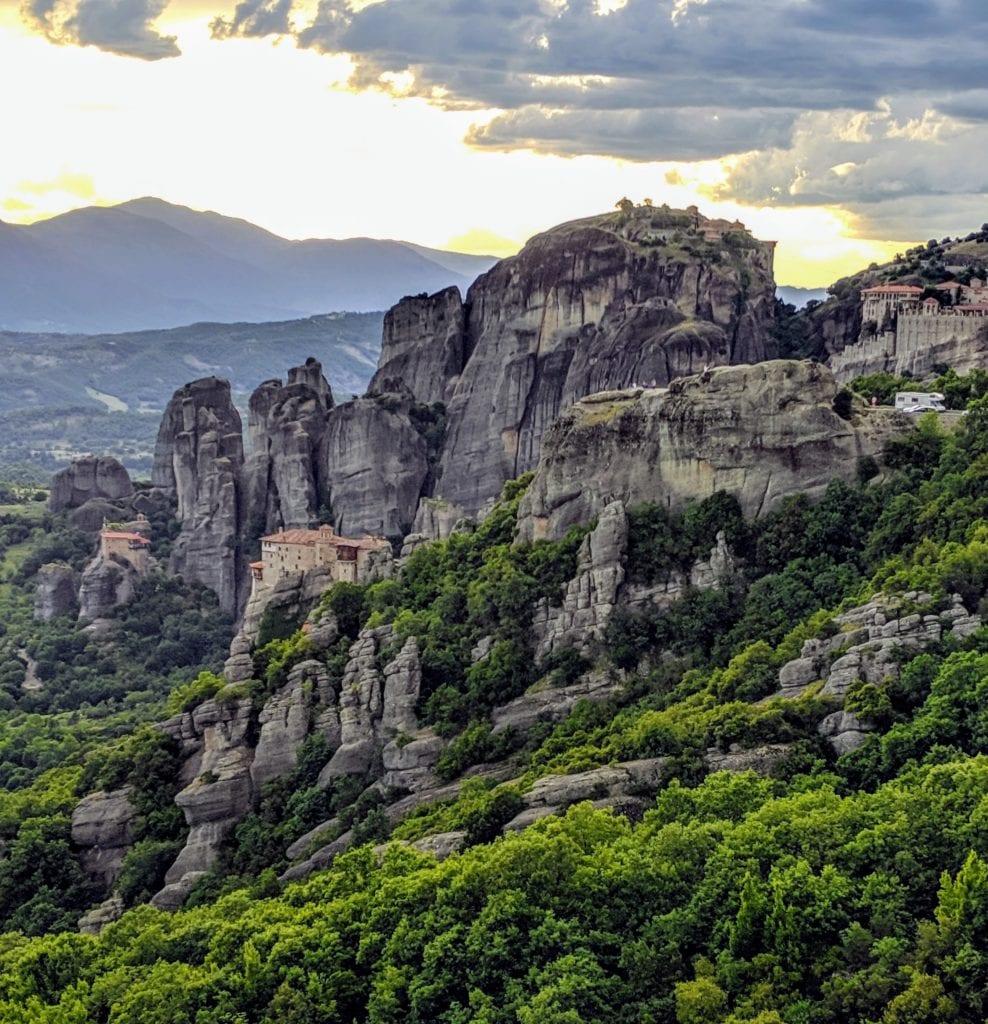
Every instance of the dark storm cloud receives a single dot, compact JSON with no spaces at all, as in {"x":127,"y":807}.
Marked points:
{"x":124,"y":27}
{"x":254,"y":18}
{"x":684,"y":53}
{"x":640,"y":134}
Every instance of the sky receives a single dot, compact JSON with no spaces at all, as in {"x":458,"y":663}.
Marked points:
{"x":846,"y":130}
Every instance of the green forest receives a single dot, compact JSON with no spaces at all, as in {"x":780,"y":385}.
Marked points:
{"x":850,"y":888}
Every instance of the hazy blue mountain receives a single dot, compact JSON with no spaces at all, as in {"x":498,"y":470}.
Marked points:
{"x":798,"y":297}
{"x":66,"y":394}
{"x":151,"y":264}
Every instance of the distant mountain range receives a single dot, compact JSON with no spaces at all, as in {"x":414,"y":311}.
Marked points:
{"x":150,"y":264}
{"x":798,"y":297}
{"x":65,"y":394}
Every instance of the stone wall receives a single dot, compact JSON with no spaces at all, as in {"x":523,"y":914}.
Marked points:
{"x":919,"y":343}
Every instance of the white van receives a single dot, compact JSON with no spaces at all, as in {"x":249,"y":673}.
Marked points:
{"x":919,"y":401}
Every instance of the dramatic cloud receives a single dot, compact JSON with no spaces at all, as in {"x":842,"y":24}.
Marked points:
{"x":820,"y":101}
{"x":639,"y":134}
{"x":894,"y":164}
{"x":254,"y":18}
{"x":125,"y":27}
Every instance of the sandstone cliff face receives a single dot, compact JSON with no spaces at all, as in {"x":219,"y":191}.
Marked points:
{"x":285,"y":470}
{"x":422,"y":346}
{"x":55,"y":591}
{"x":231,"y":750}
{"x":199,"y":459}
{"x":591,"y":305}
{"x":105,"y":583}
{"x":101,"y":828}
{"x":89,"y":478}
{"x":868,"y":645}
{"x":376,"y":465}
{"x":758,"y":432}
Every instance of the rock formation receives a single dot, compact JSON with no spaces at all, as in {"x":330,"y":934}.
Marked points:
{"x":198,"y":459}
{"x":601,"y":585}
{"x":55,"y":591}
{"x":869,"y":640}
{"x":218,"y":796}
{"x":285,"y":470}
{"x":101,"y":827}
{"x":868,"y":643}
{"x":422,"y":346}
{"x":916,"y":348}
{"x":376,"y":466}
{"x":592,"y":304}
{"x":409,"y":753}
{"x":106,"y":582}
{"x":289,"y":716}
{"x":758,"y":432}
{"x":553,"y":705}
{"x":361,"y":702}
{"x":89,"y":478}
{"x":595,"y":304}
{"x":589,"y":598}
{"x":435,"y":519}
{"x":231,"y":751}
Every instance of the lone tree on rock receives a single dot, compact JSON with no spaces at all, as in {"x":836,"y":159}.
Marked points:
{"x":625,"y":205}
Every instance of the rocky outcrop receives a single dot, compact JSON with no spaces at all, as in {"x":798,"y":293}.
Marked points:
{"x":554,"y":704}
{"x":106,"y":583}
{"x":219,"y":795}
{"x":89,"y":478}
{"x":590,"y":597}
{"x":239,"y":666}
{"x":55,"y":591}
{"x":745,"y":759}
{"x":422,"y":346}
{"x":291,"y":598}
{"x":758,"y":432}
{"x":435,"y":519}
{"x":102,"y":828}
{"x":286,"y":428}
{"x":867,"y":643}
{"x":629,"y":787}
{"x":844,"y":731}
{"x":198,"y":460}
{"x":376,"y":466}
{"x":595,"y":304}
{"x":96,"y":919}
{"x":290,"y":716}
{"x":833,"y":324}
{"x":604,"y":787}
{"x":379,"y":731}
{"x":409,"y":754}
{"x":601,"y":585}
{"x":360,"y":708}
{"x":231,"y":752}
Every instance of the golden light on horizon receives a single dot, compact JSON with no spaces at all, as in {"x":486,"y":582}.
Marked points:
{"x":272,"y":133}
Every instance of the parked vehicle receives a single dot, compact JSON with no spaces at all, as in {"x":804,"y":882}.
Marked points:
{"x":919,"y":401}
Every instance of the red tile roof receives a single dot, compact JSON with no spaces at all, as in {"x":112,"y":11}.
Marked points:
{"x":899,"y":289}
{"x":307,"y":538}
{"x":123,"y":535}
